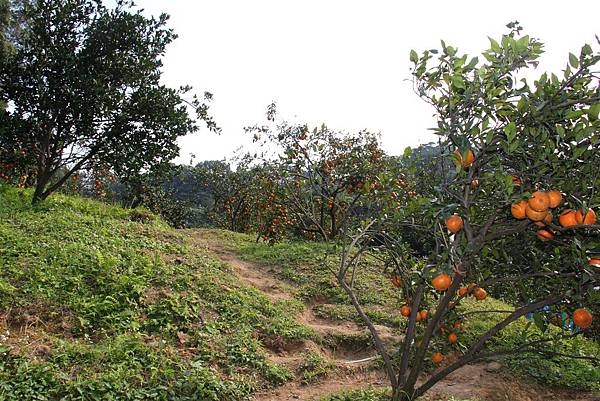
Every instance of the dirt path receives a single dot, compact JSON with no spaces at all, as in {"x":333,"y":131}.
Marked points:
{"x":356,"y":368}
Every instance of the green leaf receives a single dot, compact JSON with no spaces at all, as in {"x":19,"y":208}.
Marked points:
{"x":523,"y":43}
{"x":594,"y":112}
{"x":458,"y":81}
{"x":414,"y":57}
{"x":472,"y":63}
{"x":511,"y":131}
{"x":495,"y":46}
{"x":573,"y":60}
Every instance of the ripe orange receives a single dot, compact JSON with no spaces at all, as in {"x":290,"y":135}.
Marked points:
{"x":424,"y":314}
{"x":539,"y":201}
{"x":480,"y":294}
{"x":452,"y":338}
{"x":457,"y":325}
{"x":567,"y":218}
{"x":518,"y":209}
{"x":441,"y":282}
{"x":589,"y":218}
{"x":545,"y":235}
{"x":405,"y":311}
{"x":534,"y":215}
{"x":468,"y":160}
{"x":547,"y":220}
{"x":437,"y":357}
{"x":594,"y":262}
{"x":396,"y":281}
{"x":454,"y":223}
{"x":462,"y":291}
{"x":475,"y":184}
{"x":582,"y":318}
{"x":418,"y":318}
{"x":555,"y":198}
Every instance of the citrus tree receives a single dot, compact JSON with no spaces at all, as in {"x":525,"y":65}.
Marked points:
{"x":506,"y":199}
{"x":83,"y":82}
{"x":324,"y":179}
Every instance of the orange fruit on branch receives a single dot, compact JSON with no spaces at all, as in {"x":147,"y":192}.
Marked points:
{"x":545,"y":235}
{"x":462,"y":291}
{"x":475,"y":184}
{"x":567,"y":218}
{"x":457,"y":325}
{"x":480,"y":294}
{"x":405,"y":311}
{"x":539,"y":201}
{"x":454,"y":223}
{"x":547,"y":220}
{"x":437,"y":357}
{"x":441,"y":282}
{"x":423,"y":314}
{"x":582,"y":318}
{"x":535,"y":215}
{"x":518,"y":209}
{"x":555,"y":198}
{"x":588,"y":218}
{"x":452,"y":338}
{"x":594,"y":262}
{"x":464,"y":162}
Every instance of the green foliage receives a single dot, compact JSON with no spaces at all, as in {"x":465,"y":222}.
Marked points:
{"x":85,"y":84}
{"x":553,"y":370}
{"x":307,"y":265}
{"x":126,"y":309}
{"x":321,"y":181}
{"x":360,"y":395}
{"x":315,"y":367}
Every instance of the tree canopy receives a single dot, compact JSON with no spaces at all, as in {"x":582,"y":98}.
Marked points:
{"x":83,"y":88}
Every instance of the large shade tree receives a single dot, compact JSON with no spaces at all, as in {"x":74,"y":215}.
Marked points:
{"x":83,"y":88}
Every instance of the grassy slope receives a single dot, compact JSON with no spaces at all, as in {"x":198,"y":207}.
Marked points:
{"x":99,"y":302}
{"x":300,"y":264}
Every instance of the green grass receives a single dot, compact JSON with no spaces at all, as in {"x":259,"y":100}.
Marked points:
{"x":314,"y":367}
{"x":304,"y":265}
{"x":99,"y":302}
{"x":308,"y":266}
{"x":105,"y":303}
{"x":557,"y":371}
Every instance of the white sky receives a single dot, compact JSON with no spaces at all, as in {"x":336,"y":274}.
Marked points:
{"x":340,"y":62}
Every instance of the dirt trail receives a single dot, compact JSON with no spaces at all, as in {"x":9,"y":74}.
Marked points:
{"x":355,"y":367}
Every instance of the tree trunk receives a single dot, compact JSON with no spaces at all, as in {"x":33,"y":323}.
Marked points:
{"x":40,"y":187}
{"x":403,"y":394}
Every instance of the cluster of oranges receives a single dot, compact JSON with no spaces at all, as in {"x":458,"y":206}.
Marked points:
{"x":537,"y":209}
{"x":421,"y":315}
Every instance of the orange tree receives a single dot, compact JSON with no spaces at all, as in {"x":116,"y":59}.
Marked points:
{"x":236,"y":195}
{"x":324,"y":179}
{"x":506,"y":200}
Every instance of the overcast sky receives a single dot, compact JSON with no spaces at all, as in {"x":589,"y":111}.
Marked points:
{"x":340,"y":62}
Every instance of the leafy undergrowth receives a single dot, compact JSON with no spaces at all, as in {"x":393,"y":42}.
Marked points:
{"x":99,"y":302}
{"x":309,"y":267}
{"x":303,"y":264}
{"x":557,"y":371}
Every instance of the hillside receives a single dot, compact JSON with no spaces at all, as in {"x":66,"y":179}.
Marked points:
{"x":99,"y":302}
